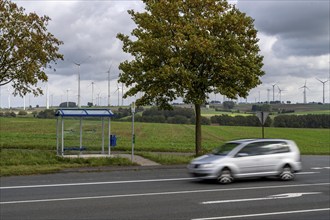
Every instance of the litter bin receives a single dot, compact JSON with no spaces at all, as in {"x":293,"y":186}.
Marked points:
{"x":113,"y":140}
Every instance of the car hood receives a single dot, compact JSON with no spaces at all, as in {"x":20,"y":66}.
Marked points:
{"x":209,"y":158}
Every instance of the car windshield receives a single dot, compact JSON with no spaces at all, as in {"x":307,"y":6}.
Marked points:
{"x":224,"y":149}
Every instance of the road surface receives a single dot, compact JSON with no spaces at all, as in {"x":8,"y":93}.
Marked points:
{"x":168,"y":193}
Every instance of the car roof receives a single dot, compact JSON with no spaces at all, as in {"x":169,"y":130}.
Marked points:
{"x":241,"y":141}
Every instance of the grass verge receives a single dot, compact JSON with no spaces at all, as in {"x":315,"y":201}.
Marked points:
{"x":27,"y":162}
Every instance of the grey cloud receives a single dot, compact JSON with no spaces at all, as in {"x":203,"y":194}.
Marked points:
{"x":301,"y":27}
{"x":90,"y":29}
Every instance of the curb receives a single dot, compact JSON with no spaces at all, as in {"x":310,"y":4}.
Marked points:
{"x":121,"y":168}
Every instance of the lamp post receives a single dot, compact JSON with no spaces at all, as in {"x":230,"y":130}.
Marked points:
{"x":133,"y":135}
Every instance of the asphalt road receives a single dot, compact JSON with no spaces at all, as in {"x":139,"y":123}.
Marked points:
{"x":166,"y":193}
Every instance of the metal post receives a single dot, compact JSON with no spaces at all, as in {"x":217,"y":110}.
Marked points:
{"x":62,"y":152}
{"x":80,"y":139}
{"x":109,"y":133}
{"x":133,"y":135}
{"x":57,"y":141}
{"x":262,"y":124}
{"x":102,"y":135}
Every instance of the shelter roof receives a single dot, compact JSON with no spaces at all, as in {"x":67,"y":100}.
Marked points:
{"x":84,"y":113}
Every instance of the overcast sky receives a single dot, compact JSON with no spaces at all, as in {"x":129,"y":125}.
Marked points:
{"x":294,"y":40}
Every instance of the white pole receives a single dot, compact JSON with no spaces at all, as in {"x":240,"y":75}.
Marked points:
{"x":78,"y":85}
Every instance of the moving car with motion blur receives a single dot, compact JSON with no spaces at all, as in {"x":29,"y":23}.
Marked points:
{"x":248,"y":158}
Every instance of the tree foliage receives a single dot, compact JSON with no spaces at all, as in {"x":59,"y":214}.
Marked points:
{"x":26,"y":49}
{"x":188,"y":49}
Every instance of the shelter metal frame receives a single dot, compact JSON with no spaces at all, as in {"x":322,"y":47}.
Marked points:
{"x":81,"y":113}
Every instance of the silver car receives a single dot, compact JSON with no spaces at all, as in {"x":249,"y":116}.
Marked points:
{"x":248,"y":158}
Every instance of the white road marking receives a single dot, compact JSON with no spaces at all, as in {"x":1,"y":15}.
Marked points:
{"x":306,"y":173}
{"x":319,"y":168}
{"x":114,"y":182}
{"x":95,"y":183}
{"x":160,"y":193}
{"x":265,"y":214}
{"x":280,"y":196}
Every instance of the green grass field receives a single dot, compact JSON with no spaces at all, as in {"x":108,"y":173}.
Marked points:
{"x":28,"y":145}
{"x":40,"y":134}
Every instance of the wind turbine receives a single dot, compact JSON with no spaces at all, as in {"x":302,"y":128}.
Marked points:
{"x":109,"y":84}
{"x":274,"y":91}
{"x":323,"y":82}
{"x":268,"y":90}
{"x":47,"y":97}
{"x":67,"y":98}
{"x":98,"y":99}
{"x":122,"y":94}
{"x":280,"y":93}
{"x":118,"y":89}
{"x":8,"y":89}
{"x":92,"y":84}
{"x":304,"y":87}
{"x":24,"y":106}
{"x":78,"y":65}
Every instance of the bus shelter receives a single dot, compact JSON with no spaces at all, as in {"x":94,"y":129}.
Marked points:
{"x":80,"y":114}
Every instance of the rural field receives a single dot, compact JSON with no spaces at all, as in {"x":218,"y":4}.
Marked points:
{"x":28,"y":145}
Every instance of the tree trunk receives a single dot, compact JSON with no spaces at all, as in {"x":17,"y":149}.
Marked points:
{"x":198,"y":130}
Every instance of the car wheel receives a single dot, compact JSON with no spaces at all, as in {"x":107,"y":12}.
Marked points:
{"x":225,"y":176}
{"x":286,"y":173}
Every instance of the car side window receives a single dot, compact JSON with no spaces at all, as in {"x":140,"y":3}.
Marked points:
{"x":263,"y":148}
{"x":274,"y":148}
{"x":252,"y":149}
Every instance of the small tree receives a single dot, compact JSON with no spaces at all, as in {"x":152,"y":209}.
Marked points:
{"x":228,"y":104}
{"x":189,"y":49}
{"x":26,"y":49}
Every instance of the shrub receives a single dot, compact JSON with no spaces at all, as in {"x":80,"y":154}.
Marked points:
{"x":239,"y":120}
{"x":22,"y":112}
{"x":302,"y":121}
{"x":48,"y":113}
{"x":228,"y":104}
{"x":9,"y":114}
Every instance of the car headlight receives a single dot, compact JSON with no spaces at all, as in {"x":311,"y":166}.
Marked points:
{"x":207,"y":165}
